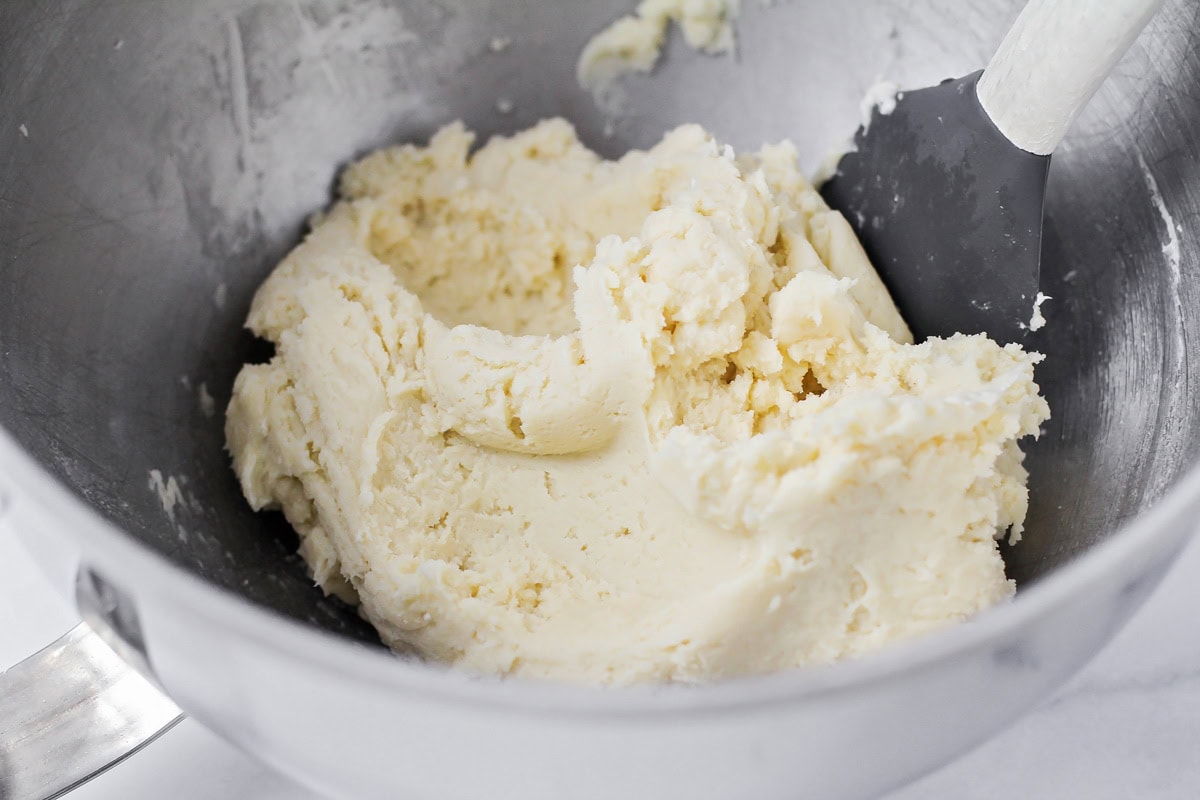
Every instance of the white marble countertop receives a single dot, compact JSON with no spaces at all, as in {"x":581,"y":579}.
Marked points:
{"x":1127,"y":727}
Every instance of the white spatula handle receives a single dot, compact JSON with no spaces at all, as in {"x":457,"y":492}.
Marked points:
{"x":1052,"y":62}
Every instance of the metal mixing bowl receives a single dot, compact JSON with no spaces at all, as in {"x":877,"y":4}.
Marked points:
{"x":157,"y":159}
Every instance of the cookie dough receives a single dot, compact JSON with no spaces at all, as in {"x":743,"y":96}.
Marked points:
{"x":634,"y":42}
{"x":653,"y":419}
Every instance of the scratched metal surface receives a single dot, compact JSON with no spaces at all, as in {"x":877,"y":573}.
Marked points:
{"x":157,"y":159}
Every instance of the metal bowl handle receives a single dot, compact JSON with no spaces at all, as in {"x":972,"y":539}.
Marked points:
{"x":75,"y":708}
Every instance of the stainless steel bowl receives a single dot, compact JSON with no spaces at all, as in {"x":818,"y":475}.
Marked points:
{"x":157,"y":159}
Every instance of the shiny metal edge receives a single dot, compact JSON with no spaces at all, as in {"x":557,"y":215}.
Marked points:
{"x":71,"y":711}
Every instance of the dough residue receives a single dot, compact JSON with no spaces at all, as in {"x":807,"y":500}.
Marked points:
{"x":1038,"y":320}
{"x":634,"y":42}
{"x":653,"y":419}
{"x":880,"y":96}
{"x":168,"y":491}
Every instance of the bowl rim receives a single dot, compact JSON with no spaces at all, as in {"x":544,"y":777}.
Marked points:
{"x":109,"y":547}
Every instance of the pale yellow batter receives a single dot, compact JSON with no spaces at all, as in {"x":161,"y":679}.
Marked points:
{"x":652,"y":419}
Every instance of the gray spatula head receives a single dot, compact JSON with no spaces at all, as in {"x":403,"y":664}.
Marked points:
{"x":949,"y":210}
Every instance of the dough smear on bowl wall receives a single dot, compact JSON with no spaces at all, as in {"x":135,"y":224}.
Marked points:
{"x":653,"y":419}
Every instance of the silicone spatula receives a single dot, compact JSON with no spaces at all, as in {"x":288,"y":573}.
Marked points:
{"x":946,"y":189}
